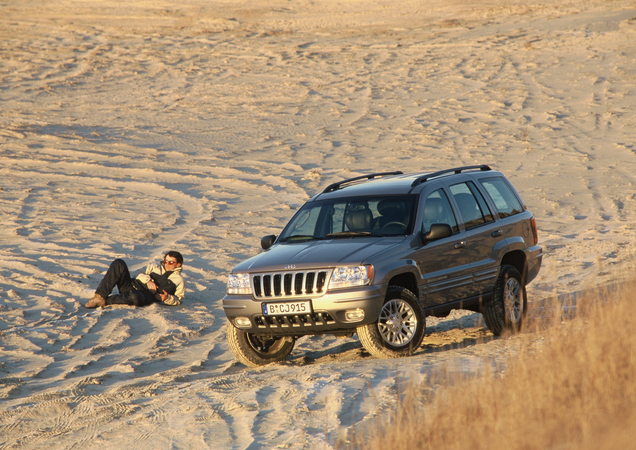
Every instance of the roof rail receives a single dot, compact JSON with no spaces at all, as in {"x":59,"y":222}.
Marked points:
{"x":335,"y":186}
{"x":424,"y":178}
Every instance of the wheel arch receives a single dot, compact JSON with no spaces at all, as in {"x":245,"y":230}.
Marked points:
{"x":406,"y":280}
{"x":517,"y":259}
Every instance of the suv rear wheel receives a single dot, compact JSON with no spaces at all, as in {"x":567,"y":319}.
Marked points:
{"x":254,"y":350}
{"x":505,"y":310}
{"x":399,"y":329}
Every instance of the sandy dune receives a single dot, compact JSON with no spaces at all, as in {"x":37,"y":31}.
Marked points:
{"x":129,"y":130}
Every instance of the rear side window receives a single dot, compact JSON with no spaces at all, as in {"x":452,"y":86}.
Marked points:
{"x":502,"y":196}
{"x":472,"y":205}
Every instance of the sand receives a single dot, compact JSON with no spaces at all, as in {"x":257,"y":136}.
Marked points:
{"x":131,"y":128}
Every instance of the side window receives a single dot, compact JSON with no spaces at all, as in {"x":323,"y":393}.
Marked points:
{"x":502,"y":196}
{"x":488,"y":217}
{"x":472,"y":205}
{"x":437,"y":209}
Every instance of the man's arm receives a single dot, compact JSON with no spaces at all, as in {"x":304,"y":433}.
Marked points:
{"x":145,"y":277}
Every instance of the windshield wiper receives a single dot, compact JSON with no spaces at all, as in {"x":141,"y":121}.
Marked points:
{"x":353,"y":234}
{"x":301,"y":237}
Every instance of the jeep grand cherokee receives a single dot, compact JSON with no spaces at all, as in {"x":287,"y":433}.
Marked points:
{"x":374,"y":255}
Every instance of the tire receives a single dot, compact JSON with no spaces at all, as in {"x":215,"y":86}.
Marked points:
{"x":399,"y":329}
{"x":507,"y":306}
{"x":254,"y":350}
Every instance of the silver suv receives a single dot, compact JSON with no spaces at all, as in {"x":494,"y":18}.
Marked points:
{"x":374,"y":255}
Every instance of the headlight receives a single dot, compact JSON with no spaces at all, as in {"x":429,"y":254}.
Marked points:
{"x":351,"y":276}
{"x":239,"y":283}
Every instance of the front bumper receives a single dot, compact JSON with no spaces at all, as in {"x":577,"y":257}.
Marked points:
{"x":327,"y":315}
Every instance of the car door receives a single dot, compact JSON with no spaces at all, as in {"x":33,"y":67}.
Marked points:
{"x":481,"y":234}
{"x":445,"y":264}
{"x":505,"y":202}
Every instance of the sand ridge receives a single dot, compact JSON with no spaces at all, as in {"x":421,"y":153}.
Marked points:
{"x":202,"y":126}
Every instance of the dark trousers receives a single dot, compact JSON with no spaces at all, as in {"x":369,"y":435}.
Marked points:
{"x":131,"y":291}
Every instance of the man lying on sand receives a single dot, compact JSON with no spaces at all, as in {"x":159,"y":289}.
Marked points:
{"x":158,"y":284}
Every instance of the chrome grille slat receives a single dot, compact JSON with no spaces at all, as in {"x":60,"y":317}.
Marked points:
{"x":289,"y":285}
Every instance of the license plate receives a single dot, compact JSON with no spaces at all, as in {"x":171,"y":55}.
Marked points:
{"x":278,"y":309}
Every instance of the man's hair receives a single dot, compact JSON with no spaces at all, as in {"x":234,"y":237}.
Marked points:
{"x":175,"y":255}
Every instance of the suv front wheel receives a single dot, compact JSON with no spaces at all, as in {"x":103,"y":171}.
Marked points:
{"x":399,"y":329}
{"x":254,"y":350}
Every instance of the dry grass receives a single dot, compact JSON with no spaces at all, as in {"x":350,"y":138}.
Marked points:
{"x":566,"y":385}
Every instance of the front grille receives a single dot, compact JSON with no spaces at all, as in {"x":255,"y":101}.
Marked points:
{"x":289,"y":284}
{"x":313,"y":321}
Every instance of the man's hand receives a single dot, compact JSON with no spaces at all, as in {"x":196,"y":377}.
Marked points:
{"x":152,"y":287}
{"x":161,"y":296}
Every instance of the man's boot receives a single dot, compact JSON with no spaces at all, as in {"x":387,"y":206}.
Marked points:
{"x":95,"y":301}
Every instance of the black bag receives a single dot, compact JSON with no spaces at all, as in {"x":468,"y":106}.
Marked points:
{"x":163,"y":283}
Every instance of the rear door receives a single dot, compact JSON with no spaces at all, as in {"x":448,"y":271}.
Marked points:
{"x":480,"y":236}
{"x":506,"y":203}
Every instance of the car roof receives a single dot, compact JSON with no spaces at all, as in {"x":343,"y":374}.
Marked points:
{"x":392,"y":183}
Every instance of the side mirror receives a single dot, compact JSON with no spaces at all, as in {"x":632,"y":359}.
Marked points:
{"x":438,"y":231}
{"x":268,"y":241}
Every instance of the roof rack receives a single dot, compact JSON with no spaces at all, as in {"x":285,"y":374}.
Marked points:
{"x":335,"y":186}
{"x":424,"y":178}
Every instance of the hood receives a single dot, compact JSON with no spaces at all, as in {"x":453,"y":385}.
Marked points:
{"x":317,"y":254}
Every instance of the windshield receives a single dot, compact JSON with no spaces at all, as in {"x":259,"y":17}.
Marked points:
{"x":352,"y":217}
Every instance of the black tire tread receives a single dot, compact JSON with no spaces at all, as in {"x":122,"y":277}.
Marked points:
{"x":237,"y":341}
{"x":494,"y":312}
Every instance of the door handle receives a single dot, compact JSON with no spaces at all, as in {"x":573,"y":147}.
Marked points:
{"x":497,"y":233}
{"x":460,"y":244}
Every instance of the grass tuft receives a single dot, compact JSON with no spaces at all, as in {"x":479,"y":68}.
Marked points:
{"x":566,"y":384}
